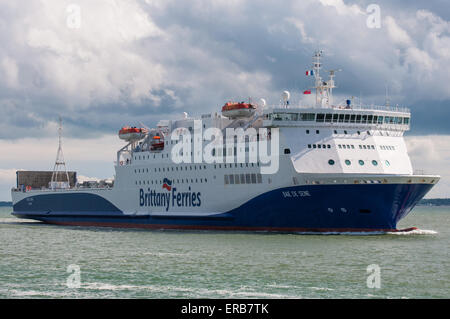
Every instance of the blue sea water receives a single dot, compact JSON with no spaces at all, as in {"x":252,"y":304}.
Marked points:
{"x":118,"y":263}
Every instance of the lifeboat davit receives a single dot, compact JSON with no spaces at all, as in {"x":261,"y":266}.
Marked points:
{"x":235,"y":110}
{"x":132,"y":133}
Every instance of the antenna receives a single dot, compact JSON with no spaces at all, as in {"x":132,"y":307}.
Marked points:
{"x":60,"y":165}
{"x":316,"y":66}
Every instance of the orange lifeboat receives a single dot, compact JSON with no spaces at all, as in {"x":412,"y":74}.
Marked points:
{"x":157,"y":143}
{"x":132,"y":133}
{"x":235,"y":110}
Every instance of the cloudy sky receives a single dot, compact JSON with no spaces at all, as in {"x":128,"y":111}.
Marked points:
{"x":106,"y":63}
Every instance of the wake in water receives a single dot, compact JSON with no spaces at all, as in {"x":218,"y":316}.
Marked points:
{"x":415,"y":231}
{"x":403,"y":232}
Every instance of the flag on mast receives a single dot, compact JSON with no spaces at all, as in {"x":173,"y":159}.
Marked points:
{"x":307,"y":92}
{"x":310,"y":72}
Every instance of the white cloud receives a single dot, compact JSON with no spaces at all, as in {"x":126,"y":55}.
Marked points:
{"x":397,"y":34}
{"x":97,"y":62}
{"x":431,"y":155}
{"x":10,"y":72}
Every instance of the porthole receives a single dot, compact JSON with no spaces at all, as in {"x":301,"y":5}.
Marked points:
{"x":387,"y":163}
{"x":331,"y":162}
{"x":347,"y":162}
{"x":361,"y":162}
{"x":374,"y":163}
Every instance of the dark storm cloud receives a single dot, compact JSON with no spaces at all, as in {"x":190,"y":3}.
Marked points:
{"x":142,"y":61}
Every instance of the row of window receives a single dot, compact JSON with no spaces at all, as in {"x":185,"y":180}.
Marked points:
{"x":351,"y":146}
{"x":339,"y":118}
{"x":142,"y":157}
{"x":360,"y":162}
{"x":319,"y":146}
{"x":195,"y":167}
{"x":336,"y":132}
{"x":178,"y":181}
{"x":243,"y":178}
{"x":387,"y":147}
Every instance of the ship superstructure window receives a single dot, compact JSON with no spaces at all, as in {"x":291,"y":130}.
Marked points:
{"x":307,"y":116}
{"x":287,"y":151}
{"x":347,"y":162}
{"x":374,"y":163}
{"x":331,"y":162}
{"x":320,"y":117}
{"x":361,"y":162}
{"x":242,"y":179}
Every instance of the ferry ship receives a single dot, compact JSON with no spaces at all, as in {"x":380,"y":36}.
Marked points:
{"x":339,"y":168}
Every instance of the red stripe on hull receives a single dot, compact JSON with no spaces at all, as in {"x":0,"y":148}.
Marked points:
{"x":226,"y":228}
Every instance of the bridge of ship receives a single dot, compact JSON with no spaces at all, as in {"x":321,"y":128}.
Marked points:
{"x":396,"y":119}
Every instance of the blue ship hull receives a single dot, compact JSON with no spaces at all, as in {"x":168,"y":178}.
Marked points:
{"x":326,"y":208}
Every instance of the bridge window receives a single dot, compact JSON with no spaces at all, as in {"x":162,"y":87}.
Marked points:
{"x":307,"y":116}
{"x":358,"y":118}
{"x":364,"y":119}
{"x":320,"y":117}
{"x":335,"y":118}
{"x":328,"y":117}
{"x":352,"y":118}
{"x":347,"y":118}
